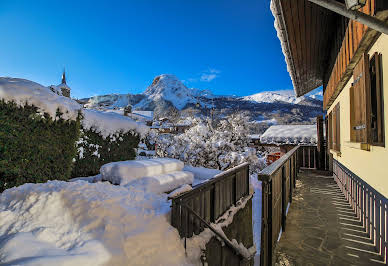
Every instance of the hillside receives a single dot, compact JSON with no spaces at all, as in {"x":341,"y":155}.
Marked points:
{"x":168,"y":95}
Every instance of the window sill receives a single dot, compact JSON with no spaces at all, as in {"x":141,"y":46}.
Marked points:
{"x":338,"y":153}
{"x":359,"y":146}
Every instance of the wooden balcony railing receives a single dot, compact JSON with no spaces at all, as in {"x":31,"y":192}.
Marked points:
{"x":195,"y":210}
{"x":278,"y":183}
{"x":369,"y":205}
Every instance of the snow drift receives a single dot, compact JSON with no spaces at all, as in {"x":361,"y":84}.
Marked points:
{"x":122,"y":173}
{"x":164,"y":182}
{"x":79,"y":223}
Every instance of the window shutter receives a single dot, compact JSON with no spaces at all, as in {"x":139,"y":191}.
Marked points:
{"x":330,"y":130}
{"x":334,"y":128}
{"x":353,"y":123}
{"x":361,"y":101}
{"x":338,"y":127}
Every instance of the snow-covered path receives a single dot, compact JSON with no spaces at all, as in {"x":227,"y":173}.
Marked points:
{"x":256,"y":216}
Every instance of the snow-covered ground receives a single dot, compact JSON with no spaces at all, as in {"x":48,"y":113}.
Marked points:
{"x":89,"y":222}
{"x":256,"y":215}
{"x":81,"y":223}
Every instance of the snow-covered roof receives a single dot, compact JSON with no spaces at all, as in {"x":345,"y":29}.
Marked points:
{"x":142,"y":115}
{"x":21,"y":91}
{"x":290,"y":134}
{"x":111,"y":123}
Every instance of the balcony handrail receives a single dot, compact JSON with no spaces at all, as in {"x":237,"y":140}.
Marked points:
{"x":267,"y":173}
{"x":209,"y":183}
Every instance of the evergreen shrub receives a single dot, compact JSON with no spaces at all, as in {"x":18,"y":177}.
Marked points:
{"x":35,"y":148}
{"x":95,"y":151}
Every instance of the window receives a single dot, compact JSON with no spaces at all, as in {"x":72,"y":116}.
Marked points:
{"x":366,"y":102}
{"x":377,"y":103}
{"x":335,"y":129}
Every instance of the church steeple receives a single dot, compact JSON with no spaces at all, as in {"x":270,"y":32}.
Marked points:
{"x":64,"y":77}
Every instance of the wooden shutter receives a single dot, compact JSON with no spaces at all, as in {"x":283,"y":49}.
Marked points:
{"x":330,"y":131}
{"x":338,"y":127}
{"x":334,"y":129}
{"x":360,"y":102}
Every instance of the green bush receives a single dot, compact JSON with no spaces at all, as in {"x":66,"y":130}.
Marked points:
{"x":95,"y":151}
{"x":34,"y":148}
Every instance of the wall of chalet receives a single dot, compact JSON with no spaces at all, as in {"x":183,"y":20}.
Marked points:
{"x":371,"y":165}
{"x":349,"y":42}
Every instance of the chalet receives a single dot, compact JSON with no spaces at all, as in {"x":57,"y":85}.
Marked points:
{"x":341,"y":45}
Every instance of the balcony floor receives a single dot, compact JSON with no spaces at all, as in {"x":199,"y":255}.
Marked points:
{"x":321,"y":228}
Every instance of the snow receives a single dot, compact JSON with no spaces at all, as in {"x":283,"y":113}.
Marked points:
{"x":90,"y":179}
{"x":286,"y":96}
{"x":254,"y":136}
{"x":142,"y":115}
{"x":114,"y":100}
{"x":79,"y":223}
{"x":290,"y":134}
{"x":201,"y":174}
{"x":124,"y":172}
{"x":21,"y":91}
{"x":164,"y":182}
{"x":177,"y":192}
{"x":256,"y":214}
{"x":169,"y":87}
{"x":111,"y":123}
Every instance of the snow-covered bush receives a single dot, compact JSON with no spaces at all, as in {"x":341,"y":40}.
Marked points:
{"x":34,"y":147}
{"x":221,"y":147}
{"x":105,"y":137}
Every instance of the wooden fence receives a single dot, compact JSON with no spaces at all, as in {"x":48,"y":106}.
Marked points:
{"x":195,"y":210}
{"x":278,"y":183}
{"x":369,"y":205}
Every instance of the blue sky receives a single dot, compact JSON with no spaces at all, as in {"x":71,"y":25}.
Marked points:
{"x":227,"y":46}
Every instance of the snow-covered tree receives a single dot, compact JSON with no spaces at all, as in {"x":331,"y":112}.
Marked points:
{"x":222,"y":146}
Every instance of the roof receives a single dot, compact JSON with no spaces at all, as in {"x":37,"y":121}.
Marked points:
{"x":304,"y":30}
{"x":142,"y":115}
{"x":290,"y":134}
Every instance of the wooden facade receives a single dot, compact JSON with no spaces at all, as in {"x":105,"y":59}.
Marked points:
{"x":322,"y":47}
{"x":356,"y":41}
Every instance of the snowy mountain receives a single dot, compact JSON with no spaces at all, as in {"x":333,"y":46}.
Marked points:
{"x":169,"y":88}
{"x":167,"y":96}
{"x":286,"y":96}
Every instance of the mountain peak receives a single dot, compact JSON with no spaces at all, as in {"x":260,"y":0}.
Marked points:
{"x":169,"y":87}
{"x":163,"y":83}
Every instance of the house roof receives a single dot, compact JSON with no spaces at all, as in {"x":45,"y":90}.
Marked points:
{"x":305,"y":31}
{"x":290,"y":134}
{"x":142,"y":115}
